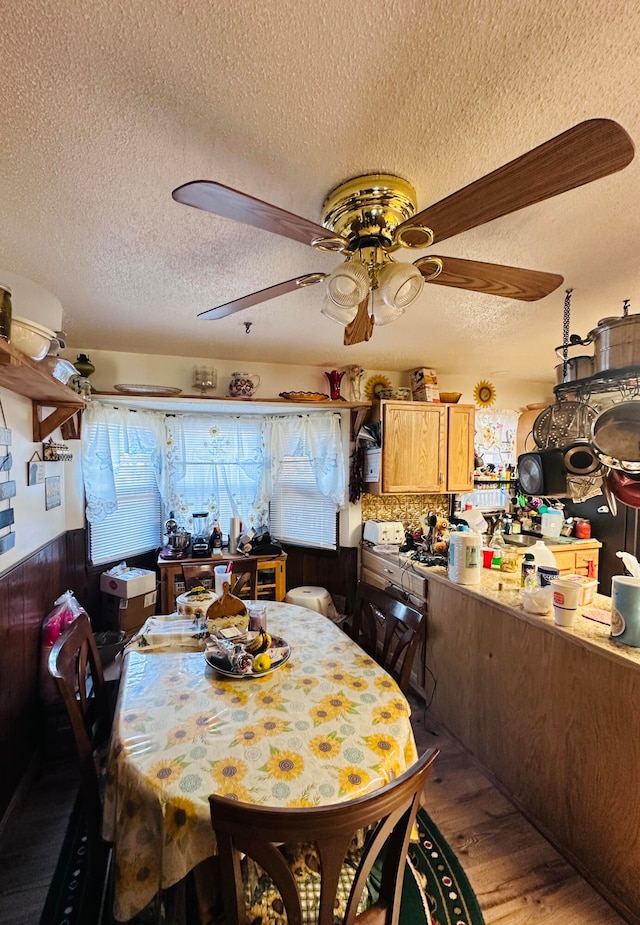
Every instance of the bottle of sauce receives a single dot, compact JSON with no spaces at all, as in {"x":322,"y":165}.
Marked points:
{"x":216,"y":537}
{"x":583,"y":529}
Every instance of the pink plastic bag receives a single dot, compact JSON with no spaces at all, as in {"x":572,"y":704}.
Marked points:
{"x":65,"y":611}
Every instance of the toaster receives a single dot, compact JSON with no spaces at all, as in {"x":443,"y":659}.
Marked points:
{"x":383,"y":531}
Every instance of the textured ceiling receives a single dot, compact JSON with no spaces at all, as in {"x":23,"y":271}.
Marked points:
{"x":107,"y":107}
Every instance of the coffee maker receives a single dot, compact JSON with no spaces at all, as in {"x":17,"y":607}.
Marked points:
{"x":200,"y":536}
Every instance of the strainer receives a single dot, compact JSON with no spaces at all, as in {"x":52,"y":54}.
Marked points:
{"x":559,"y":424}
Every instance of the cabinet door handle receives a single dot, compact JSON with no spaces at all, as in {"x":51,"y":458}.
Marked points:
{"x":390,"y":571}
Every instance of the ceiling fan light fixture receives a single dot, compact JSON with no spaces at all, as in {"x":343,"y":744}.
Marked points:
{"x":343,"y":316}
{"x":348,"y":285}
{"x":383,"y":313}
{"x":399,"y":284}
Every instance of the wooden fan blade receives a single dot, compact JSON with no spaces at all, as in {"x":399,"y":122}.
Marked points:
{"x":492,"y":278}
{"x":361,"y":328}
{"x":586,"y":152}
{"x":272,"y":292}
{"x":222,"y":200}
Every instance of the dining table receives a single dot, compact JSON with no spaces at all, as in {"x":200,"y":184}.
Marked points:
{"x":327,"y":726}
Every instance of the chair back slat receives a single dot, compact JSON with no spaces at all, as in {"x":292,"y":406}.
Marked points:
{"x":259,"y":832}
{"x":243,"y":578}
{"x":75,"y":665}
{"x":390,"y":630}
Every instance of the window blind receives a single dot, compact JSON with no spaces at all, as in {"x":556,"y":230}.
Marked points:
{"x":298,"y":513}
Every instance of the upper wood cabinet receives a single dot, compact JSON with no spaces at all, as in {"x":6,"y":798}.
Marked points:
{"x":427,"y":448}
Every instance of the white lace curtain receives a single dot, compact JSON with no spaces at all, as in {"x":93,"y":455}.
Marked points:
{"x":241,"y":455}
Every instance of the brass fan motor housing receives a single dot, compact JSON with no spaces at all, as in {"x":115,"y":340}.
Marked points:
{"x":367,"y":210}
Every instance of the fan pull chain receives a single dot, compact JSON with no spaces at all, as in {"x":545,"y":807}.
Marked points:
{"x":566,"y":327}
{"x":625,"y":307}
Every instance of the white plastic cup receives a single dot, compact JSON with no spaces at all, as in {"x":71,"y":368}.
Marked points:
{"x":221,"y":576}
{"x":567,"y":596}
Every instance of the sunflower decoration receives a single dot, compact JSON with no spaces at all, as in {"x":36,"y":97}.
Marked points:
{"x":484,"y":394}
{"x":374,"y":385}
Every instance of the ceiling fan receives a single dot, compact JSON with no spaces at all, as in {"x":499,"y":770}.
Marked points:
{"x":369,"y":217}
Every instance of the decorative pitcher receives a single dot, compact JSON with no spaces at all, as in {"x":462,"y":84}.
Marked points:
{"x":335,"y":378}
{"x":243,"y":385}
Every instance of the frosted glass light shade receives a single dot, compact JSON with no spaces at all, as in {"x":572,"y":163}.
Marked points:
{"x":348,"y":285}
{"x":341,"y":315}
{"x":385,"y":314}
{"x":399,"y":284}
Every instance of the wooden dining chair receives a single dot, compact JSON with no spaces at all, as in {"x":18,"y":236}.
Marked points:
{"x":388,"y":629}
{"x":243,"y":578}
{"x":195,"y":575}
{"x":75,"y":665}
{"x":272,"y":838}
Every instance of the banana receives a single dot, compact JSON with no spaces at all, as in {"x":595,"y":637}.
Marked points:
{"x":256,"y":645}
{"x":267,"y":642}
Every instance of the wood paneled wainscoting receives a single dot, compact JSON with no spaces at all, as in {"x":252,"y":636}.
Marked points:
{"x":27,"y":594}
{"x":335,"y":571}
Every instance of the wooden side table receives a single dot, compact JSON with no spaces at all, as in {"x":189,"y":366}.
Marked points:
{"x":272,"y":576}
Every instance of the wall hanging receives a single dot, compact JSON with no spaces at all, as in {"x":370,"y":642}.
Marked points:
{"x":52,"y":495}
{"x":7,"y":486}
{"x":35,"y":470}
{"x":484,"y":394}
{"x":56,"y":452}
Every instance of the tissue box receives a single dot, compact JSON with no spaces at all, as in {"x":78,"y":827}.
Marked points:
{"x":424,"y":384}
{"x":128,"y":583}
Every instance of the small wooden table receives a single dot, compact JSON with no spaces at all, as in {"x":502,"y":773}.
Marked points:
{"x":272,"y":576}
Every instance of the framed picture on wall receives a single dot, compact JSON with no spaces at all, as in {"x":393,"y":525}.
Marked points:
{"x":35,"y":472}
{"x":52,"y":496}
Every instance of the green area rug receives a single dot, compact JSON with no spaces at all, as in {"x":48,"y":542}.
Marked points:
{"x":436,"y":890}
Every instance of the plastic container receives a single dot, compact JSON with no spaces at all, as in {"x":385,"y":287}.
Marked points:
{"x":542,"y":554}
{"x":551,"y":522}
{"x":528,"y":571}
{"x":589,"y":587}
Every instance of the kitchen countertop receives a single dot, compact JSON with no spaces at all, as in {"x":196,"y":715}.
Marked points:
{"x":503,"y":589}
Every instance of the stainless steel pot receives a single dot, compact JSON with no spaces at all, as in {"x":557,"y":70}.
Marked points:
{"x":577,"y":368}
{"x":179,"y":540}
{"x":616,"y":343}
{"x":615,"y":437}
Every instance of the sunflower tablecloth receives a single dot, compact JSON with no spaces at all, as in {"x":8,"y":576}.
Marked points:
{"x":328,"y":726}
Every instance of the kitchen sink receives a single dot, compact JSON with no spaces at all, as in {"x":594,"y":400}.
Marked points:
{"x":524,"y":539}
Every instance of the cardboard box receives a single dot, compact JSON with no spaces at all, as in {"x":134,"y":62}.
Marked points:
{"x":129,"y":583}
{"x":424,"y":384}
{"x":128,"y":614}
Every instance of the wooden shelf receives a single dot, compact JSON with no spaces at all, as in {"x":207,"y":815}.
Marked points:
{"x":20,"y":374}
{"x":182,"y":402}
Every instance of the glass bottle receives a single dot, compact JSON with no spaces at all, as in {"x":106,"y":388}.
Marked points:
{"x":5,"y":313}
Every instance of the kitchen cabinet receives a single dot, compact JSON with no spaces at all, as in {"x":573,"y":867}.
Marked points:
{"x":427,"y":448}
{"x":573,"y":559}
{"x":22,"y":375}
{"x":271,"y":576}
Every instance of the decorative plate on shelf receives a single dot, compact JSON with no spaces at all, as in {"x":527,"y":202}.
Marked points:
{"x":305,"y":396}
{"x":129,"y":389}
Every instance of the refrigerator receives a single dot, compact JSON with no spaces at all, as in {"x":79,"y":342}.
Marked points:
{"x":615,"y":533}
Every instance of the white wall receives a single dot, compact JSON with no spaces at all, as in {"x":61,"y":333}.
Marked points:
{"x":137,"y":368}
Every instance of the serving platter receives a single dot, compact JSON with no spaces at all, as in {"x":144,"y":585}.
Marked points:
{"x":211,"y":658}
{"x":132,"y":389}
{"x":305,"y":396}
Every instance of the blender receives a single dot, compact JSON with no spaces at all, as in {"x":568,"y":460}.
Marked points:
{"x":200,"y":538}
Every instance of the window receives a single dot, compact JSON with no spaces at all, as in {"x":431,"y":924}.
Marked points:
{"x":136,"y":526}
{"x":298,"y":513}
{"x":284,"y":471}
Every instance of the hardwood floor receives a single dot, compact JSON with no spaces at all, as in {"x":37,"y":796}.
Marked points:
{"x":518,"y":877}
